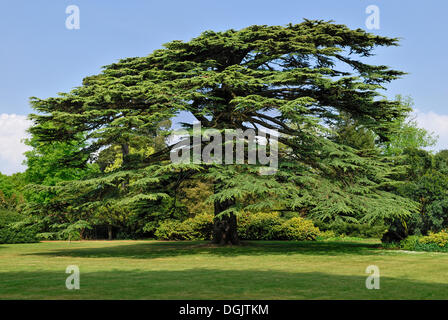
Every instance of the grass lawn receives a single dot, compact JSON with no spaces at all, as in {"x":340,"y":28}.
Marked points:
{"x":198,"y":270}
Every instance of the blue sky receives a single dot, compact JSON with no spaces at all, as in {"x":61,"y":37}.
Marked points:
{"x":40,"y":57}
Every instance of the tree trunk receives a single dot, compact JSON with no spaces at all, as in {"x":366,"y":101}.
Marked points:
{"x":225,"y":227}
{"x":109,"y":232}
{"x":125,"y":153}
{"x":125,"y":150}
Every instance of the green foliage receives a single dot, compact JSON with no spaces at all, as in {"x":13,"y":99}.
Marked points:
{"x":431,"y":190}
{"x":46,"y":168}
{"x":8,"y":216}
{"x":197,"y":228}
{"x":327,"y":235}
{"x":202,"y":226}
{"x":362,"y":230}
{"x":410,"y":243}
{"x":270,"y":226}
{"x":45,"y":162}
{"x":440,"y":239}
{"x":259,"y":226}
{"x":172,"y":230}
{"x":11,"y":235}
{"x":193,"y":195}
{"x":298,"y":229}
{"x":65,"y":231}
{"x":12,"y":231}
{"x":72,"y":231}
{"x":434,"y":242}
{"x":407,"y":134}
{"x":11,"y":191}
{"x":441,"y":161}
{"x":349,"y":132}
{"x":425,"y":181}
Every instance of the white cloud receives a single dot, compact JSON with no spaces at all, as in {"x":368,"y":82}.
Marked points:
{"x":437,"y":123}
{"x":12,"y":131}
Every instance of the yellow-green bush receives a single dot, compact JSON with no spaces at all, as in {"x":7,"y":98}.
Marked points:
{"x":434,"y":242}
{"x":440,"y":239}
{"x":298,"y":229}
{"x":199,"y":227}
{"x":251,"y":226}
{"x":173,"y":230}
{"x":326,"y":235}
{"x":410,"y":243}
{"x":259,"y":226}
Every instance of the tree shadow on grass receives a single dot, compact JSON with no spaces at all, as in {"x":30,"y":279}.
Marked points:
{"x":212,"y":284}
{"x":160,"y":249}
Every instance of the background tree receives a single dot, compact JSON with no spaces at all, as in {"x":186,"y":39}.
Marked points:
{"x":349,"y":132}
{"x":407,"y":134}
{"x":426,"y":182}
{"x":11,"y":191}
{"x":424,"y":179}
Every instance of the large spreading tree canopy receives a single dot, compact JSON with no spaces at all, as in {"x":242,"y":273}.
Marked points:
{"x":299,"y":79}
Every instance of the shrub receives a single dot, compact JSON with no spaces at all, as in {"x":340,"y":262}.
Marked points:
{"x":259,"y":226}
{"x":199,"y":227}
{"x":327,"y":235}
{"x":7,"y":217}
{"x":23,"y":235}
{"x":298,"y":229}
{"x":434,"y":242}
{"x":410,"y":243}
{"x":440,"y":239}
{"x":172,"y":230}
{"x":12,"y":231}
{"x":362,"y":230}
